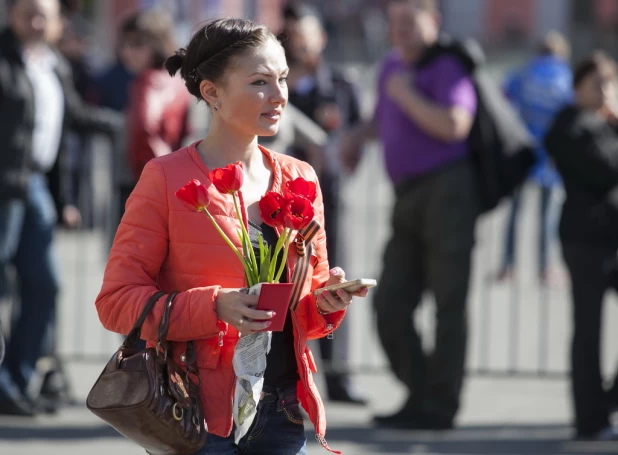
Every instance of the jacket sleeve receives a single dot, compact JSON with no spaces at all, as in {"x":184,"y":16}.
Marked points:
{"x":318,"y":325}
{"x":83,"y":117}
{"x":131,"y":275}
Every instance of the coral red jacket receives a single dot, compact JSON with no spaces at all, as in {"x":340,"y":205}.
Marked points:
{"x":157,"y":116}
{"x":162,"y":244}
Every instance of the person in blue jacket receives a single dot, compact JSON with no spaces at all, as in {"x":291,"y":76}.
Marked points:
{"x":539,"y":91}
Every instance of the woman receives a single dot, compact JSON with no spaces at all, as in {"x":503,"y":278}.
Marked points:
{"x":239,"y":69}
{"x":584,"y":144}
{"x":158,"y":105}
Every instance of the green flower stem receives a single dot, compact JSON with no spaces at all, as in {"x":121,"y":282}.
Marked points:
{"x":252,"y":260}
{"x":285,"y":257}
{"x":283,"y":238}
{"x":231,"y":245}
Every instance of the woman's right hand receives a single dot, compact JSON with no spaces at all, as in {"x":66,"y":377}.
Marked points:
{"x":238,"y":310}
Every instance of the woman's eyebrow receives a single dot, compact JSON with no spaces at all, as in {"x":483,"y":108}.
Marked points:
{"x":268,"y":73}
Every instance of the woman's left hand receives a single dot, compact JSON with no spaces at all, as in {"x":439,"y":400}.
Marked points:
{"x":339,"y":300}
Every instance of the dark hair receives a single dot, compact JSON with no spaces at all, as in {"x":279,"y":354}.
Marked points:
{"x":155,"y":28}
{"x":212,"y":48}
{"x":597,"y":61}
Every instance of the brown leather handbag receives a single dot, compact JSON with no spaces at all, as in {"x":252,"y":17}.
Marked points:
{"x":147,"y":397}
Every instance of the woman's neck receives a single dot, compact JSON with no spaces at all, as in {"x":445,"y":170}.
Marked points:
{"x":222,"y":147}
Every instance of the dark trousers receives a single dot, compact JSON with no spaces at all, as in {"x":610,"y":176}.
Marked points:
{"x":430,"y":249}
{"x":26,"y":234}
{"x":588,"y":266}
{"x":546,"y":229}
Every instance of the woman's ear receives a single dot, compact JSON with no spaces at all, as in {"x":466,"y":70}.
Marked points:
{"x":208,"y":90}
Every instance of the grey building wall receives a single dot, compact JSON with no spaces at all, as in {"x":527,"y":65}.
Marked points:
{"x":552,"y":15}
{"x":464,"y":18}
{"x":468,"y":17}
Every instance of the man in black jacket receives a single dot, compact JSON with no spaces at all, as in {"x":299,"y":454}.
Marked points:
{"x":38,"y":104}
{"x":323,"y":94}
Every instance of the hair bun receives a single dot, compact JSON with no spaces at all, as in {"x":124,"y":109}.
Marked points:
{"x":176,"y":61}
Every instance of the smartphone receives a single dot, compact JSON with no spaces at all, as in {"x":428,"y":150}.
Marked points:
{"x":348,"y":286}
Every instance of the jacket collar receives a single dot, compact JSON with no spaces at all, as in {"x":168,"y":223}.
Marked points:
{"x":276,"y":167}
{"x":272,"y":157}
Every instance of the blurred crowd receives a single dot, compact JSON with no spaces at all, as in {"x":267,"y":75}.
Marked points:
{"x":53,"y":107}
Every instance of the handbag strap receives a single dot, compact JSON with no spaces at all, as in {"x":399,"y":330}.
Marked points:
{"x":190,"y":354}
{"x":164,"y":325}
{"x":136,"y":331}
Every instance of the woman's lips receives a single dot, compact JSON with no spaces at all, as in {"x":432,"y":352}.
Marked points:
{"x":272,"y":115}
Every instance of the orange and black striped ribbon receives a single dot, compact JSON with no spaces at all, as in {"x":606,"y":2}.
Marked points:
{"x":304,"y":248}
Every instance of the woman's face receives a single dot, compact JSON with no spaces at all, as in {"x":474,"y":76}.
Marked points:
{"x":596,"y":90}
{"x":253,"y":91}
{"x":135,"y":52}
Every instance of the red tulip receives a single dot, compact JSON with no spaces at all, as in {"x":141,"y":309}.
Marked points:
{"x":271,"y":209}
{"x":194,"y":194}
{"x":227,"y":179}
{"x":298,"y":212}
{"x":301,"y":187}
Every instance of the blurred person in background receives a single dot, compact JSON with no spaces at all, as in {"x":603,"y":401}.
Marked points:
{"x":323,"y":94}
{"x":423,"y":119}
{"x":539,"y":91}
{"x":38,"y":104}
{"x":158,"y":105}
{"x":583,"y":142}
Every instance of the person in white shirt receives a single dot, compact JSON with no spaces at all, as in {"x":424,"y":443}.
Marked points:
{"x":38,"y":103}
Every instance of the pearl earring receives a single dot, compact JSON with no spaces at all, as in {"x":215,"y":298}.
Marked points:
{"x":216,"y":106}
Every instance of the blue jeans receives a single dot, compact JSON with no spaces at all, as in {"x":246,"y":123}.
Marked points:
{"x":26,"y":234}
{"x":277,"y":429}
{"x":547,"y":229}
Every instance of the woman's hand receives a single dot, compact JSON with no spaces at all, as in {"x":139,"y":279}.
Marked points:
{"x":237,"y":309}
{"x":332,"y":302}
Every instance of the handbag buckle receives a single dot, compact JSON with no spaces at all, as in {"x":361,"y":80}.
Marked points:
{"x":182,"y":412}
{"x":197,"y":375}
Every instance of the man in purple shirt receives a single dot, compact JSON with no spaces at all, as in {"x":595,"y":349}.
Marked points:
{"x":423,"y":118}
